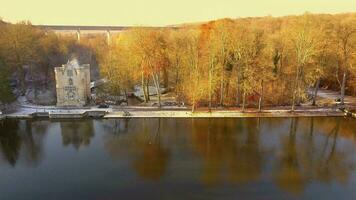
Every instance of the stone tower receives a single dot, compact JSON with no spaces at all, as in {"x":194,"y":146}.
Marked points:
{"x":72,"y":84}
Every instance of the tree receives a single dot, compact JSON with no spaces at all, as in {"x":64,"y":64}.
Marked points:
{"x":194,"y":82}
{"x":150,"y":47}
{"x":208,"y":50}
{"x":221,"y":51}
{"x":322,"y":55}
{"x":116,"y":68}
{"x":304,"y":49}
{"x":52,"y":53}
{"x":6,"y":95}
{"x":19,"y":48}
{"x":251,"y":50}
{"x":177,"y":47}
{"x":157,"y":60}
{"x":344,"y":34}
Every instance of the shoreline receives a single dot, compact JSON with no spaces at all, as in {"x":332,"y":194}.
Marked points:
{"x":25,"y":110}
{"x":166,"y":113}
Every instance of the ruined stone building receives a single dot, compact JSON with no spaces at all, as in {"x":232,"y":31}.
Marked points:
{"x":72,"y":84}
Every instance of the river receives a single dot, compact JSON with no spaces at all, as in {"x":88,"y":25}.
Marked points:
{"x":245,"y":158}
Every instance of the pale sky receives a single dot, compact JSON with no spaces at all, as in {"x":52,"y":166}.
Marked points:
{"x":157,"y":12}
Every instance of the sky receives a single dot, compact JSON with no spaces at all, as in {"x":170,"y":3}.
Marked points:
{"x":158,"y":12}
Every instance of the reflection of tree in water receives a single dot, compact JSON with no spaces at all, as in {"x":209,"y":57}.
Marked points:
{"x":151,"y":162}
{"x":333,"y":164}
{"x":32,"y":143}
{"x":117,"y":127}
{"x":310,"y":159}
{"x":143,"y":144}
{"x":231,"y":150}
{"x":26,"y":136}
{"x":288,"y":172}
{"x":77,"y":133}
{"x":225,"y":150}
{"x":250,"y":162}
{"x":10,"y":141}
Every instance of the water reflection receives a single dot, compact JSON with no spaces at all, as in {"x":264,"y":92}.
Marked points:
{"x":149,"y":157}
{"x":232,"y":150}
{"x":20,"y":139}
{"x":229,"y":147}
{"x":290,"y":154}
{"x":334,"y":163}
{"x":10,"y":141}
{"x":288,"y":174}
{"x":312,"y":158}
{"x":77,"y":133}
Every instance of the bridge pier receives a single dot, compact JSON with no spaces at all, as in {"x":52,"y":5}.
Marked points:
{"x":108,"y":37}
{"x":78,"y":35}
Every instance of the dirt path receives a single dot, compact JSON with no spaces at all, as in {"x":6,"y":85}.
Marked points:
{"x":332,"y":95}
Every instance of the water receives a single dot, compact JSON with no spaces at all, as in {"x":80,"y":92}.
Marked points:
{"x":266,"y":158}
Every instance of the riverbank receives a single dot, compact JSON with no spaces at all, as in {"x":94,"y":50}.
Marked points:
{"x":167,"y":113}
{"x":222,"y":114}
{"x":331,"y":108}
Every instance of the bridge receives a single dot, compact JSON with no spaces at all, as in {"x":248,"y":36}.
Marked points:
{"x":90,"y":30}
{"x":84,"y":30}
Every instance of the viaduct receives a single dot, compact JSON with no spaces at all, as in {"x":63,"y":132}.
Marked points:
{"x":85,"y":30}
{"x":90,"y":30}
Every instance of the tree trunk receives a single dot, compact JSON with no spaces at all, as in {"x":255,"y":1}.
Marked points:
{"x":222,"y":90}
{"x":126,"y":97}
{"x":143,"y":87}
{"x":159,"y":91}
{"x":148,"y":90}
{"x":177,"y":77}
{"x":316,"y":91}
{"x":243,"y":101}
{"x":295,"y":89}
{"x":293,"y":101}
{"x":238,"y":91}
{"x":227,"y":84}
{"x":298,"y":97}
{"x":155,"y":78}
{"x":22,"y":82}
{"x":193,"y":107}
{"x":337,"y":71}
{"x":165,"y":77}
{"x":261,"y":98}
{"x":342,"y":99}
{"x":210,"y":88}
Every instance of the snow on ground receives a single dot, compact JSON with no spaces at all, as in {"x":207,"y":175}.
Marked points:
{"x":152,"y":90}
{"x":332,"y":96}
{"x":26,"y":109}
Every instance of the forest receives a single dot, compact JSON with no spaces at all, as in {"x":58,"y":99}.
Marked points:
{"x":244,"y":62}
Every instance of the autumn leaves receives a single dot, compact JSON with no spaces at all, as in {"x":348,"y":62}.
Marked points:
{"x":244,"y":62}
